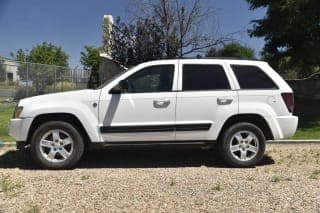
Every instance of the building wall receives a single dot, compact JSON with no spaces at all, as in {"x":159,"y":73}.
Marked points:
{"x":11,"y":69}
{"x":108,"y":68}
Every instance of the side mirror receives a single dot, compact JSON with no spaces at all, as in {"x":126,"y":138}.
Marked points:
{"x":124,"y":85}
{"x":121,"y":87}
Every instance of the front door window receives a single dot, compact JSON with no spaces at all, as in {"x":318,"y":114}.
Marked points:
{"x":152,"y":79}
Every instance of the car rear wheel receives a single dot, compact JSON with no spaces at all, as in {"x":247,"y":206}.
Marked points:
{"x":242,"y":145}
{"x":57,"y":145}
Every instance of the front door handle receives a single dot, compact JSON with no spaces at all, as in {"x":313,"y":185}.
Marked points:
{"x":161,"y":103}
{"x":224,"y":101}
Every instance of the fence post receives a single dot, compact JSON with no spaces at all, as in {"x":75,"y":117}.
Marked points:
{"x":55,"y":79}
{"x":27,"y":83}
{"x":62,"y":82}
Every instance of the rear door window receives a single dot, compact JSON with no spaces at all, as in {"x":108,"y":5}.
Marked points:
{"x":204,"y":77}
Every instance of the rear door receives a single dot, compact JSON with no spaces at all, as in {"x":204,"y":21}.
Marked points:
{"x":205,"y":99}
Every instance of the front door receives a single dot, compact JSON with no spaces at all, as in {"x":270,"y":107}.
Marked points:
{"x":146,"y":111}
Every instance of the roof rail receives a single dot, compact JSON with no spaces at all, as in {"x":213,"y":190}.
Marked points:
{"x":226,"y":58}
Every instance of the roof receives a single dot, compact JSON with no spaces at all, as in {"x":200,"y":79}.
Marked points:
{"x":220,"y":58}
{"x":205,"y":60}
{"x":5,"y":58}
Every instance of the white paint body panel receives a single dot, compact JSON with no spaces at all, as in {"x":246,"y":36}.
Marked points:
{"x":78,"y":103}
{"x":202,"y":106}
{"x":137,"y":109}
{"x":190,"y":107}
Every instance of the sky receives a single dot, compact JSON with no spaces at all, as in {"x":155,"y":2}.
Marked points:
{"x":72,"y":24}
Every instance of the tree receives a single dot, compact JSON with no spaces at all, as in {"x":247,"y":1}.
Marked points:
{"x":90,"y":59}
{"x":123,"y":42}
{"x":137,"y":43}
{"x":149,"y":41}
{"x":182,"y":23}
{"x":232,"y":50}
{"x":292,"y":33}
{"x":45,"y":53}
{"x":39,"y":60}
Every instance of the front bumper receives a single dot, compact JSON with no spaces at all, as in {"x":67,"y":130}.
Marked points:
{"x":19,"y":128}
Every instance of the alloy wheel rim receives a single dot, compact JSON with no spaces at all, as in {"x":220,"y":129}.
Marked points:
{"x":56,"y":146}
{"x":244,"y":145}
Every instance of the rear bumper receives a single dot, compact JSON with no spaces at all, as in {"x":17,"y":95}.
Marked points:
{"x":283,"y":126}
{"x":19,"y":128}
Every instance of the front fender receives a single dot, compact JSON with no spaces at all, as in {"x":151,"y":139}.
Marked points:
{"x":85,"y":112}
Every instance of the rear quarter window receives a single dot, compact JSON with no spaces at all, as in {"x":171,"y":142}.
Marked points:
{"x":252,"y":77}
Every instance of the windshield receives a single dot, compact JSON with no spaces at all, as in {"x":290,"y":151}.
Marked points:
{"x":112,"y":78}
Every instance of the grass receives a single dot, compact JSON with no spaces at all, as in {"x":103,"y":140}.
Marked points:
{"x":250,"y":178}
{"x":7,"y":86}
{"x":7,"y":185}
{"x":276,"y":179}
{"x":85,"y":177}
{"x":6,"y":110}
{"x":309,"y":128}
{"x":217,"y":187}
{"x":172,"y":182}
{"x":315,"y":175}
{"x":33,"y":209}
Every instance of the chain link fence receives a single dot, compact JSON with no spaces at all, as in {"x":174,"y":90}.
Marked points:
{"x":23,"y":79}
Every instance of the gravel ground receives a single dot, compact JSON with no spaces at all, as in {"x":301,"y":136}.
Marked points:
{"x":164,"y":180}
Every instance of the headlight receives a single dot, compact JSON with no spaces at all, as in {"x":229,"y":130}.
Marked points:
{"x":17,"y":111}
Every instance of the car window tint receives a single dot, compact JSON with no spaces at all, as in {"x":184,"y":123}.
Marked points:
{"x":152,"y":79}
{"x":252,"y":77}
{"x":204,"y":77}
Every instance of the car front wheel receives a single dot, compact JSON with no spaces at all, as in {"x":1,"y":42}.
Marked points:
{"x":56,"y":145}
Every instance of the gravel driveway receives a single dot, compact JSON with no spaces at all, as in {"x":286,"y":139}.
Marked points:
{"x":163,"y":180}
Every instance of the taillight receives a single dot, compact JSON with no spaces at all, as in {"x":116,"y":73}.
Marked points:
{"x":288,"y":98}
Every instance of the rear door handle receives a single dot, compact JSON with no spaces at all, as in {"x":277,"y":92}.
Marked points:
{"x":161,"y":103}
{"x":224,"y":101}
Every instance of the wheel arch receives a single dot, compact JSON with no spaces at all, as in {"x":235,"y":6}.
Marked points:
{"x":255,"y":119}
{"x":65,"y":117}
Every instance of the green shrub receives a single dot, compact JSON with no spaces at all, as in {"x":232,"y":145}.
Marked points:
{"x":64,"y":86}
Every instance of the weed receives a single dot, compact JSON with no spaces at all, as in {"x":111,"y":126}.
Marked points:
{"x":217,"y":187}
{"x":250,"y":179}
{"x":287,"y":179}
{"x":315,"y":174}
{"x":33,"y":209}
{"x":290,"y":156}
{"x":7,"y":185}
{"x":172,"y":182}
{"x":276,"y":179}
{"x":85,"y":177}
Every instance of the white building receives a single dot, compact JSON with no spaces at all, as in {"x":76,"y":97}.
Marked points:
{"x":8,"y":70}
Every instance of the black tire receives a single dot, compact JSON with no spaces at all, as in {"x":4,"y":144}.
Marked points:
{"x":76,"y":154}
{"x":226,"y":139}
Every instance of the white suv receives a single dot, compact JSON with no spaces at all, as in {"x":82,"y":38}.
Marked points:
{"x":236,"y":104}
